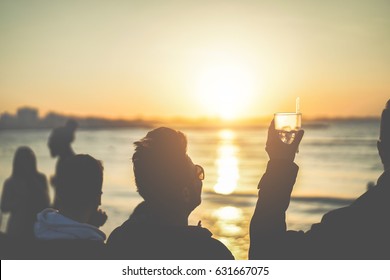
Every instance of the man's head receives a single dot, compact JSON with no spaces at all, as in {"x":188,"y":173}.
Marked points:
{"x":80,"y":183}
{"x":61,"y":137}
{"x":384,"y":137}
{"x":164,"y":174}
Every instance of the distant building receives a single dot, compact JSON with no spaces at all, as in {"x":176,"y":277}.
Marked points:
{"x":7,"y":120}
{"x":53,"y":120}
{"x":27,"y":117}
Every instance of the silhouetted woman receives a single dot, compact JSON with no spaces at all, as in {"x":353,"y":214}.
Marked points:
{"x":25,"y":194}
{"x":59,"y":145}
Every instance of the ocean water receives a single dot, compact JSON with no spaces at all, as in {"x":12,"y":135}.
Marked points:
{"x":336,"y":163}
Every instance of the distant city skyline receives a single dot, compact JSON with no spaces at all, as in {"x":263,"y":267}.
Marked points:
{"x":216,"y":59}
{"x":28,"y":117}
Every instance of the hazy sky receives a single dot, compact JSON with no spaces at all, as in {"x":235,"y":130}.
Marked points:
{"x":195,"y":58}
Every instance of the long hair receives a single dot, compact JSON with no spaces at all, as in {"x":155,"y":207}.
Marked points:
{"x":25,"y":163}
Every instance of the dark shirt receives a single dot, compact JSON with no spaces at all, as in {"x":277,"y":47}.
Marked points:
{"x":139,"y":239}
{"x":27,"y":249}
{"x":24,"y":198}
{"x":66,"y":249}
{"x":359,"y":231}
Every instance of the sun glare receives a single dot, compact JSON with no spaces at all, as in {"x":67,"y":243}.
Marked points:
{"x":225,"y":89}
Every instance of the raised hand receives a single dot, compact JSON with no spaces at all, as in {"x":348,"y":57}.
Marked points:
{"x":279,"y":151}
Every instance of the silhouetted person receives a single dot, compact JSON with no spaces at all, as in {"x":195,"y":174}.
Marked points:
{"x":171,"y":187}
{"x":25,"y":194}
{"x":358,"y":231}
{"x":69,"y":233}
{"x":60,"y":146}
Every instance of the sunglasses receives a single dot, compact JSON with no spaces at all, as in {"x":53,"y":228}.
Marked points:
{"x":199,"y":172}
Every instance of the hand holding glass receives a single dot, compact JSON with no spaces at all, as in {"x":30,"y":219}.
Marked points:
{"x":287,"y":124}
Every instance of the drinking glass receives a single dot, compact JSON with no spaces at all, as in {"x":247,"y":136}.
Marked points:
{"x":287,"y":124}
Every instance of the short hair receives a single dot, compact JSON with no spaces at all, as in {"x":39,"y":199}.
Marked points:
{"x":80,"y":181}
{"x":160,"y":164}
{"x":64,"y":135}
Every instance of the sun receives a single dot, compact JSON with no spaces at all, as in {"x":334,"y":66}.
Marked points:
{"x":225,"y":89}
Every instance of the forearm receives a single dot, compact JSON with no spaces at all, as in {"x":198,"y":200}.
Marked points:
{"x":268,"y":222}
{"x":7,"y":199}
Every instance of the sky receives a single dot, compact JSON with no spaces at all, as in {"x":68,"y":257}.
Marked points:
{"x":225,"y":59}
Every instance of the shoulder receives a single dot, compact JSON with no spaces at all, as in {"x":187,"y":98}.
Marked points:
{"x":131,"y":231}
{"x":335,"y":222}
{"x":204,"y":246}
{"x":219,"y":251}
{"x":9,"y":182}
{"x":133,"y":240}
{"x":120,"y":234}
{"x":334,"y":214}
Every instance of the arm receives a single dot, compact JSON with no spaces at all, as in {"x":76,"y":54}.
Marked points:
{"x":6,"y":204}
{"x":11,"y":199}
{"x":44,"y":195}
{"x":268,"y":236}
{"x":7,"y":197}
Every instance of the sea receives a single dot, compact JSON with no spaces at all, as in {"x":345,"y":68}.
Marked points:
{"x":338,"y":159}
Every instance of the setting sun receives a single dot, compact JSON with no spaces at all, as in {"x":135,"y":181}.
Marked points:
{"x":226,"y":89}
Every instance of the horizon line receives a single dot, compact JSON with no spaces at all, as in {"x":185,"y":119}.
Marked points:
{"x":181,"y":118}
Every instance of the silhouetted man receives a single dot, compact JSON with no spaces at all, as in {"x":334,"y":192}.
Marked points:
{"x":359,"y":231}
{"x":171,"y":187}
{"x":59,"y":144}
{"x":69,"y":232}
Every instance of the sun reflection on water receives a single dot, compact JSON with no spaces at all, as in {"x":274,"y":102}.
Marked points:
{"x":228,"y":213}
{"x":228,"y":220}
{"x":227,"y":164}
